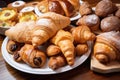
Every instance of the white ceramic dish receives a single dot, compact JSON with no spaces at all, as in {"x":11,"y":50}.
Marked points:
{"x":44,"y":70}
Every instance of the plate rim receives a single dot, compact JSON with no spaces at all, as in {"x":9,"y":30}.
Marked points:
{"x":14,"y":64}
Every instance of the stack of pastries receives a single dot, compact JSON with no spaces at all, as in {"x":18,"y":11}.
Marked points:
{"x":25,"y":39}
{"x":63,"y":43}
{"x":17,"y":11}
{"x":104,"y":21}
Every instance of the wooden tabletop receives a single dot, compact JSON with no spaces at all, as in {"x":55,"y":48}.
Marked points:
{"x":82,"y":72}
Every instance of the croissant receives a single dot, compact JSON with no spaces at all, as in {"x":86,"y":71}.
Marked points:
{"x":64,"y":40}
{"x":56,"y":62}
{"x":107,"y":47}
{"x":32,"y":56}
{"x":82,"y":34}
{"x":53,"y":50}
{"x":81,"y":49}
{"x":63,"y":7}
{"x":92,"y":21}
{"x":40,"y":31}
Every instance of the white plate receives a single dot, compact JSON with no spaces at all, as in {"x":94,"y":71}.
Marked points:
{"x":44,"y":70}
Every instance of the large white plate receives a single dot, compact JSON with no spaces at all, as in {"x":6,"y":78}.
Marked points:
{"x":44,"y":70}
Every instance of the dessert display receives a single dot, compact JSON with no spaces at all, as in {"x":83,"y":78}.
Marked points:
{"x":47,"y":30}
{"x":51,"y":40}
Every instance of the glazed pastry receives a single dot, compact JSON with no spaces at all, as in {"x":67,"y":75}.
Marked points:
{"x":23,"y":17}
{"x":63,"y":7}
{"x":13,"y":46}
{"x":56,"y":62}
{"x":82,"y":34}
{"x":111,"y":23}
{"x":17,"y":5}
{"x":104,"y":8}
{"x":40,"y":31}
{"x":81,"y":49}
{"x":92,"y":21}
{"x":64,"y":40}
{"x":32,"y":56}
{"x":8,"y":14}
{"x":85,"y":9}
{"x":53,"y":50}
{"x":107,"y":47}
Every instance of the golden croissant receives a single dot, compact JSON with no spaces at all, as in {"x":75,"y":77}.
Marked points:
{"x":64,"y":40}
{"x":107,"y":47}
{"x":82,"y":34}
{"x":38,"y":32}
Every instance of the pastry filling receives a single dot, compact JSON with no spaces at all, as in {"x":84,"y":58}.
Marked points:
{"x":16,"y":55}
{"x":37,"y":61}
{"x":13,"y":47}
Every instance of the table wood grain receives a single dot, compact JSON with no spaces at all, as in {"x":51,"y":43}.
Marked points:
{"x":82,"y":72}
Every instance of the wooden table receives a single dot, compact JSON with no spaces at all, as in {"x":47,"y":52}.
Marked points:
{"x":82,"y":72}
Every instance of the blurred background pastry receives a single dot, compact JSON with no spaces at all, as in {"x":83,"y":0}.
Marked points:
{"x":64,"y":7}
{"x":17,"y":5}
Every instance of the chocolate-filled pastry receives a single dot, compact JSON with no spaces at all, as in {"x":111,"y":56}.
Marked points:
{"x":107,"y":47}
{"x":17,"y":57}
{"x":56,"y":62}
{"x":85,"y":9}
{"x":13,"y":46}
{"x":17,"y":5}
{"x":111,"y":23}
{"x":32,"y":56}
